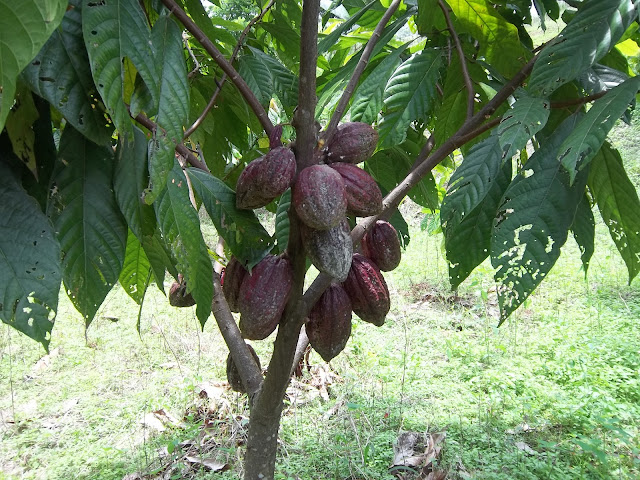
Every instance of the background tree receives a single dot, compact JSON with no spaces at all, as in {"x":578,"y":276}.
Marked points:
{"x":97,"y":98}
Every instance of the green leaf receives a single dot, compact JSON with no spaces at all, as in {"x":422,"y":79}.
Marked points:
{"x":159,"y":258}
{"x":200,"y":17}
{"x":20,"y":127}
{"x":526,"y":117}
{"x":330,"y":40}
{"x":259,"y":79}
{"x":90,"y":228}
{"x":61,"y":74}
{"x":584,"y":231}
{"x":429,"y":15}
{"x":367,"y":100}
{"x":180,"y":228}
{"x":30,"y":271}
{"x":282,"y":221}
{"x":589,"y":135}
{"x":245,"y":236}
{"x":450,"y":115}
{"x":499,"y":40}
{"x":468,"y":241}
{"x":135,"y":274}
{"x":618,"y":203}
{"x":533,"y":222}
{"x":285,"y":83}
{"x":591,"y":33}
{"x":26,"y":26}
{"x":409,"y":95}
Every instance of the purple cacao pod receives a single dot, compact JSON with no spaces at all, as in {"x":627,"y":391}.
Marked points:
{"x":353,"y":142}
{"x":329,"y":325}
{"x":319,"y":197}
{"x":367,"y":290}
{"x":178,"y":296}
{"x":331,"y":250}
{"x":233,"y":375}
{"x":364,"y":197}
{"x":265,"y":178}
{"x":231,"y":281}
{"x":382,"y":245}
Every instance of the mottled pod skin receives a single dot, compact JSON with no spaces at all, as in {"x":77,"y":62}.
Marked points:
{"x":382,"y":245}
{"x":231,"y":281}
{"x":178,"y":296}
{"x":263,"y":295}
{"x":367,"y":290}
{"x":329,"y":325}
{"x":353,"y":142}
{"x":331,"y":250}
{"x":265,"y":178}
{"x":233,"y":376}
{"x":364,"y":197}
{"x":319,"y":197}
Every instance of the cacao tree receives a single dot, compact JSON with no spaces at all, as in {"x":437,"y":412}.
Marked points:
{"x":121,"y":119}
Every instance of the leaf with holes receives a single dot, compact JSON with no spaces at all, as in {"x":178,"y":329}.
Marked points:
{"x":410,"y":94}
{"x":533,"y":222}
{"x":618,"y":203}
{"x":30,"y":270}
{"x":180,"y":228}
{"x":282,"y":221}
{"x":90,"y":228}
{"x":526,"y":117}
{"x":584,"y":231}
{"x":591,"y":33}
{"x":136,"y":270}
{"x":61,"y":74}
{"x":26,"y":26}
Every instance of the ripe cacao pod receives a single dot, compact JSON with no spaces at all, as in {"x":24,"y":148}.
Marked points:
{"x":367,"y":290}
{"x":263,"y":295}
{"x":231,"y":281}
{"x":331,"y":250}
{"x":178,"y":296}
{"x":364,"y":197}
{"x":265,"y":178}
{"x":233,"y":375}
{"x":319,"y":197}
{"x":382,"y":245}
{"x":329,"y":325}
{"x":353,"y":142}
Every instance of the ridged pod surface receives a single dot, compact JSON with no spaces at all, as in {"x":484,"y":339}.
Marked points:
{"x":364,"y":197}
{"x":319,"y":197}
{"x":263,"y":295}
{"x":233,"y":375}
{"x":265,"y":178}
{"x":329,"y":325}
{"x":367,"y":290}
{"x":331,"y":250}
{"x":231,"y":280}
{"x":382,"y":245}
{"x":178,"y":296}
{"x":353,"y":142}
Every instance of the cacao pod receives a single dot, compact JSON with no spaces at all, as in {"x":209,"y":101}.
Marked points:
{"x":263,"y":295}
{"x":233,"y":375}
{"x":331,"y":250}
{"x":382,"y":245}
{"x":178,"y":296}
{"x":319,"y":197}
{"x":367,"y":290}
{"x":231,"y":281}
{"x":329,"y":325}
{"x":364,"y":197}
{"x":353,"y":142}
{"x":265,"y":178}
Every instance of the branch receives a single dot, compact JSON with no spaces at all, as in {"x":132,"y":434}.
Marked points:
{"x":579,"y":101}
{"x":463,"y":63}
{"x":362,"y":64}
{"x":226,"y":67}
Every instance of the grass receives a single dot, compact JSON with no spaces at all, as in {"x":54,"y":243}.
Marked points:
{"x":554,"y":393}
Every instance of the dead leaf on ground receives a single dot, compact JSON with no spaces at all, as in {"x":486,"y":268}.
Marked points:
{"x":45,"y":361}
{"x":160,"y":419}
{"x":526,"y":448}
{"x":209,"y":463}
{"x":414,"y":456}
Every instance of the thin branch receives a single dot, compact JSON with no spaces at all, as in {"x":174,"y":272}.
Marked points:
{"x":579,"y":101}
{"x":426,"y":150}
{"x":362,"y":64}
{"x":463,"y":62}
{"x":226,"y":67}
{"x":301,"y":348}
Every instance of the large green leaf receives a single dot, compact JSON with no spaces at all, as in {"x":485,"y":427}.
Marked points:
{"x":282,"y":221}
{"x":258,"y":78}
{"x":584,"y":231}
{"x":591,"y":33}
{"x":589,"y":135}
{"x":61,"y":74}
{"x":136,"y":269}
{"x":244,"y":234}
{"x":330,"y":40}
{"x":367,"y":100}
{"x":450,"y":115}
{"x":160,"y":258}
{"x":90,"y":228}
{"x":30,"y":271}
{"x":618,"y":203}
{"x":526,"y":117}
{"x":214,"y":33}
{"x":429,"y":16}
{"x":499,"y":40}
{"x":113,"y":30}
{"x":409,"y":95}
{"x":26,"y":26}
{"x":285,"y":83}
{"x":533,"y":222}
{"x":468,"y":240}
{"x":180,"y":228}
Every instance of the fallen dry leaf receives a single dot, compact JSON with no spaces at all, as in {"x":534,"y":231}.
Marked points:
{"x":210,"y":463}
